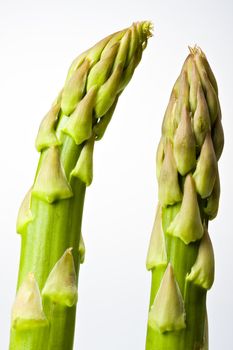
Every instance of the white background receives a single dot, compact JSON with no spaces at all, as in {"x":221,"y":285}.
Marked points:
{"x":38,"y":40}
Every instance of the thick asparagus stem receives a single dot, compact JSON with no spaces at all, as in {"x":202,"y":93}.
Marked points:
{"x":180,"y":254}
{"x":50,"y":217}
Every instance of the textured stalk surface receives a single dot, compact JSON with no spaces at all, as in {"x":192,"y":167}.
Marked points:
{"x":50,"y":217}
{"x":180,"y":254}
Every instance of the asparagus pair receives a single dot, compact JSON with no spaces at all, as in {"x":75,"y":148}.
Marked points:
{"x":50,"y":216}
{"x":180,"y":254}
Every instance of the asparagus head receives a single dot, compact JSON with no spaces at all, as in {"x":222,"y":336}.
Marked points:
{"x":180,"y":254}
{"x":50,"y":216}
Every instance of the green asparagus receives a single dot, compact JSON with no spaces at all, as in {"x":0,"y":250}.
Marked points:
{"x":180,"y":254}
{"x":49,"y":220}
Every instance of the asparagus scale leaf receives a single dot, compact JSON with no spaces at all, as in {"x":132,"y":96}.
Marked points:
{"x":180,"y":255}
{"x":49,"y":220}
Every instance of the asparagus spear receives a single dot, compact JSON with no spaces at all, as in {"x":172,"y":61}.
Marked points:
{"x":49,"y":220}
{"x":180,"y":254}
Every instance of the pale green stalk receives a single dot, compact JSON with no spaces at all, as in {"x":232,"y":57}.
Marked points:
{"x":180,"y":254}
{"x":49,"y":221}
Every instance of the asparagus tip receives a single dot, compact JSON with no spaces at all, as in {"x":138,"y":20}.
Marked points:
{"x":196,"y":50}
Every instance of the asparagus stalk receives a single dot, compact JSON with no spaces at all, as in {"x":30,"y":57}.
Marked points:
{"x":180,"y":254}
{"x":49,"y":220}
